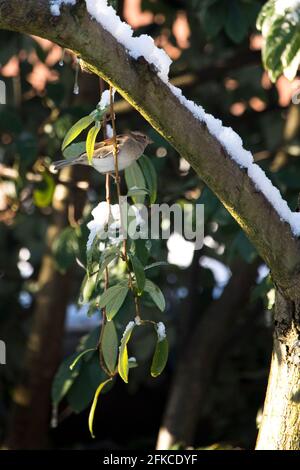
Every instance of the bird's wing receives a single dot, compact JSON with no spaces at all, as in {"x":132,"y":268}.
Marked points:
{"x":105,"y":148}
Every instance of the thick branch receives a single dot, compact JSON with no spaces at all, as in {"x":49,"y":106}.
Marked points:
{"x":137,"y":82}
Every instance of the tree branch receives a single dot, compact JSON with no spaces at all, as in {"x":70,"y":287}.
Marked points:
{"x":137,"y":82}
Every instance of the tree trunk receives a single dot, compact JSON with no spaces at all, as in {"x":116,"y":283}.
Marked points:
{"x":32,"y":398}
{"x":280,"y":427}
{"x":198,"y":360}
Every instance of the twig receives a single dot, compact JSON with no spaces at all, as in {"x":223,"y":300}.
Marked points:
{"x":117,"y":178}
{"x":106,"y":272}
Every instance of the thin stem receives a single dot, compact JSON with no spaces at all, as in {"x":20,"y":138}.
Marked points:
{"x":137,"y":307}
{"x":107,"y":181}
{"x":106,"y":273}
{"x":115,"y":153}
{"x":117,"y":177}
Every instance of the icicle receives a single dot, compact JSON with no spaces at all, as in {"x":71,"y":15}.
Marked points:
{"x":61,"y":62}
{"x":76,"y":85}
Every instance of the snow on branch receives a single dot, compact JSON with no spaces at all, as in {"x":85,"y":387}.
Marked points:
{"x":144,"y":46}
{"x":215,"y":152}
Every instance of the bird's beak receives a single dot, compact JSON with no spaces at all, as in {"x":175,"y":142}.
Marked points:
{"x":150,"y":141}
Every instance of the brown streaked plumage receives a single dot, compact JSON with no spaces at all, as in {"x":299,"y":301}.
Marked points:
{"x":130,"y":147}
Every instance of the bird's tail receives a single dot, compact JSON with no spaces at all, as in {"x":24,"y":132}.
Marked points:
{"x":62,"y":163}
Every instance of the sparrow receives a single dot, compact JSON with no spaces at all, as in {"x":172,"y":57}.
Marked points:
{"x":130,"y":148}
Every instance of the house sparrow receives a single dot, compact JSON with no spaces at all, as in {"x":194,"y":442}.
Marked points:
{"x":130,"y":148}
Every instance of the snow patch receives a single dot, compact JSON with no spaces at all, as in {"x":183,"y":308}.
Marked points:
{"x":105,"y":99}
{"x":128,"y":328}
{"x":282,"y":6}
{"x":142,"y":46}
{"x":161,"y":331}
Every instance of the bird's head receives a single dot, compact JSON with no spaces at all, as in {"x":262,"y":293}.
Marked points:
{"x":141,"y":138}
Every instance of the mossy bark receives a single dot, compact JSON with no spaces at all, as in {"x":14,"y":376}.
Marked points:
{"x":280,"y":427}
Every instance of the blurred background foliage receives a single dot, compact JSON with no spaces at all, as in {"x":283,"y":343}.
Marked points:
{"x":220,"y":292}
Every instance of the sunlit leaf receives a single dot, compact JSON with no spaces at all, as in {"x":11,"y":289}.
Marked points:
{"x":94,"y":404}
{"x":87,"y":288}
{"x":43,"y":195}
{"x":76,"y":129}
{"x":123,"y":363}
{"x":90,"y":142}
{"x":281,"y":33}
{"x":77,"y":359}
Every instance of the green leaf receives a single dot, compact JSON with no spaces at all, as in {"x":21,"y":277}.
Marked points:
{"x":92,"y":255}
{"x":250,"y":11}
{"x":87,"y":288}
{"x":65,"y":249}
{"x":74,"y":150}
{"x":89,"y":341}
{"x":64,"y":379}
{"x":94,"y":404}
{"x":90,"y":141}
{"x":139,"y":272}
{"x":135,"y":179}
{"x":280,"y":51}
{"x":150,"y":175}
{"x":138,"y":192}
{"x":160,"y":357}
{"x":214,"y":18}
{"x":42,"y":196}
{"x":155,"y":294}
{"x":123,"y":364}
{"x":141,"y":249}
{"x":236,"y":26}
{"x":112,"y":299}
{"x":76,"y":129}
{"x":109,"y":346}
{"x":156,"y":265}
{"x":290,"y":59}
{"x":132,"y":364}
{"x":266,"y":13}
{"x":84,"y":387}
{"x":106,"y":258}
{"x":77,"y":359}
